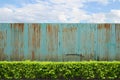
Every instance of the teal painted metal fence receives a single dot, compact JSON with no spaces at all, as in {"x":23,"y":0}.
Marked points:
{"x":59,"y":42}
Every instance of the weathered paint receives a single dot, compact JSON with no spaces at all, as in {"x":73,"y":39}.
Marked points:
{"x":59,"y":42}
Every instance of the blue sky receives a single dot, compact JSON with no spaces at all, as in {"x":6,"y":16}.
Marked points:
{"x":60,"y":11}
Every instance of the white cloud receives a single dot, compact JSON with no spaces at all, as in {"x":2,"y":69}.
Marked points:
{"x":114,"y":16}
{"x":63,"y":17}
{"x":56,"y":11}
{"x":97,"y":18}
{"x":5,"y":14}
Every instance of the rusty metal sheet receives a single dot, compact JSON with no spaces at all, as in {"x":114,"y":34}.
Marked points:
{"x":34,"y":37}
{"x":59,"y":42}
{"x":117,"y":32}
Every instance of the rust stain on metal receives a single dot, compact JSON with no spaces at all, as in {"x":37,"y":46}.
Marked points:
{"x":36,"y":35}
{"x":65,"y":30}
{"x":73,"y":29}
{"x":21,"y":26}
{"x":1,"y":35}
{"x":17,"y":36}
{"x":100,"y":26}
{"x":2,"y":55}
{"x":35,"y":26}
{"x":50,"y":37}
{"x":107,"y":40}
{"x":107,"y":26}
{"x":11,"y":26}
{"x":49,"y":28}
{"x":69,"y":29}
{"x":56,"y":34}
{"x":15,"y":25}
{"x":118,"y":39}
{"x":92,"y":41}
{"x":33,"y":40}
{"x":117,"y":30}
{"x":33,"y":55}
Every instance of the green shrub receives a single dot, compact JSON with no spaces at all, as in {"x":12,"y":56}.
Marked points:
{"x":59,"y":70}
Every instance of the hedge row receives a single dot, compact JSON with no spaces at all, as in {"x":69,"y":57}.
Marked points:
{"x":59,"y":70}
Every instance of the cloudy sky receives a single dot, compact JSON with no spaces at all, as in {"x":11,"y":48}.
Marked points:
{"x":60,"y":11}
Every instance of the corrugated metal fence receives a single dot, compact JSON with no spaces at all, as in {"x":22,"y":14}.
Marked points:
{"x":59,"y":42}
